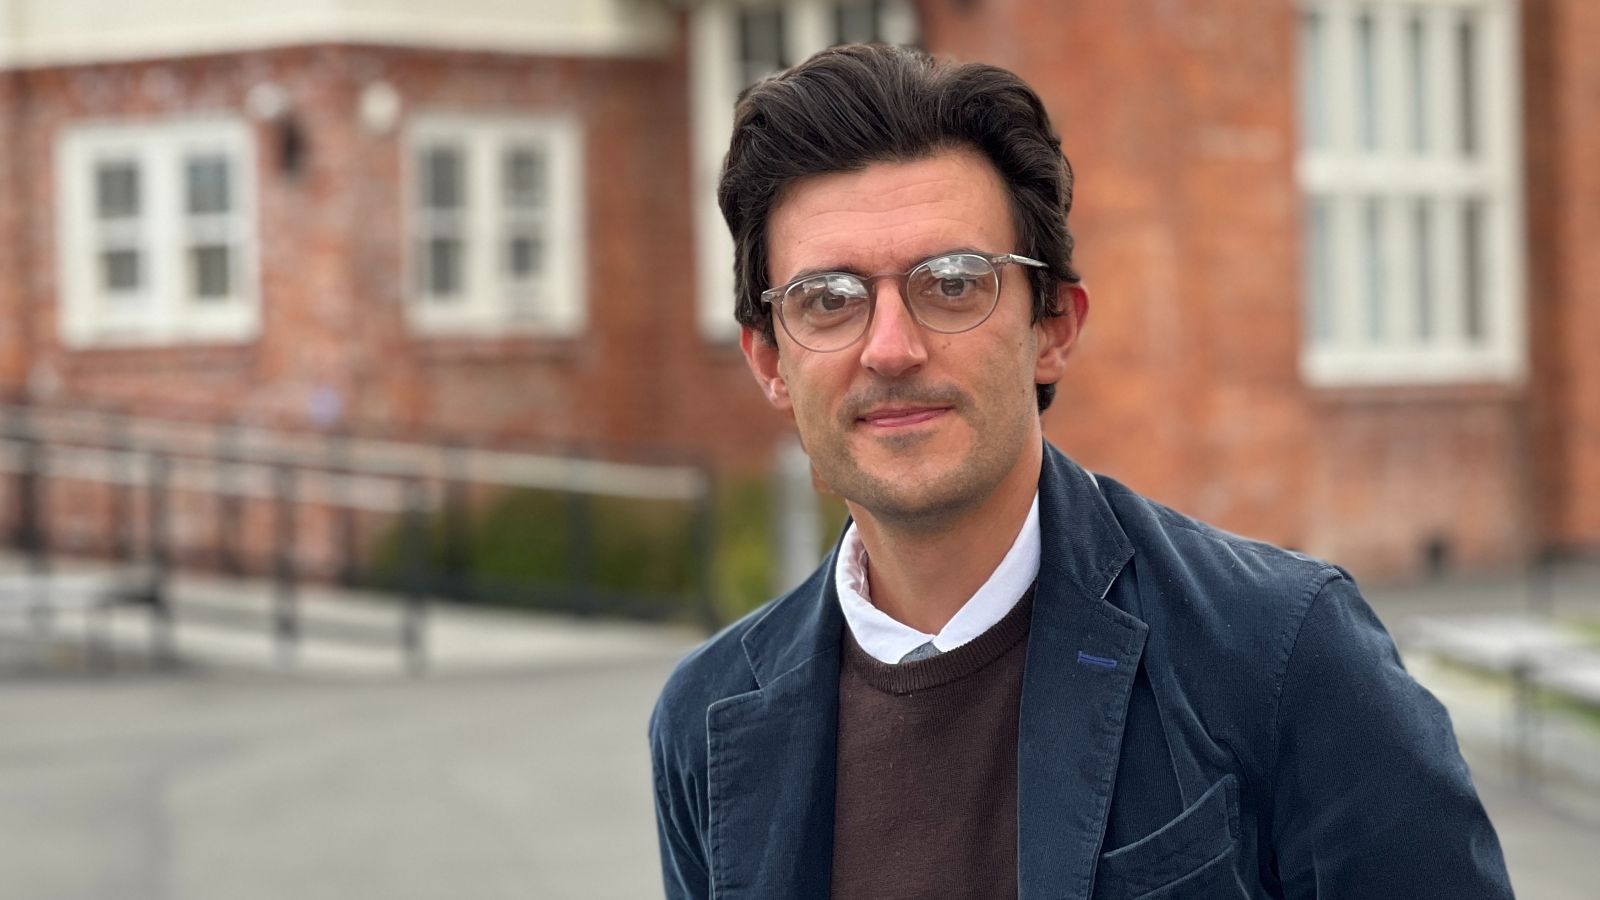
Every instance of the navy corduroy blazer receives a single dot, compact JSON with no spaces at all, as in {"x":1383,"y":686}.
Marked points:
{"x":1202,"y":716}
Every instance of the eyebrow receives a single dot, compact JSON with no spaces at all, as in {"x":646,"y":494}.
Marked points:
{"x":845,"y":270}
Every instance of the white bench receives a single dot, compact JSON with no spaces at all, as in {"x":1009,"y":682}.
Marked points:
{"x":39,"y":596}
{"x":1548,"y":656}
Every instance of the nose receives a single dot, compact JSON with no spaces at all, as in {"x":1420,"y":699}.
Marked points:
{"x":894,"y":342}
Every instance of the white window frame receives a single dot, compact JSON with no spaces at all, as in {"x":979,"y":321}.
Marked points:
{"x":1367,"y":196}
{"x":491,"y":303}
{"x":165,"y":309}
{"x":715,"y":82}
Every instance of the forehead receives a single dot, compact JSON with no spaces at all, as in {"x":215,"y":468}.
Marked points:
{"x":889,"y":216}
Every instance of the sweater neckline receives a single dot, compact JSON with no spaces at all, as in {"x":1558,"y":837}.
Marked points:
{"x":951,"y":665}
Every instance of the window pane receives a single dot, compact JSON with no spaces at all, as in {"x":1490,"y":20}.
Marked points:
{"x":525,"y":177}
{"x":1403,"y":261}
{"x":897,"y":22}
{"x":443,"y":178}
{"x":856,"y":22}
{"x":1417,"y":64}
{"x":1313,"y":81}
{"x":1422,"y":253}
{"x":1472,"y":276}
{"x":524,"y":257}
{"x":117,"y":190}
{"x":1467,"y":39}
{"x":1319,"y":270}
{"x":120,"y":271}
{"x":761,"y":42}
{"x":442,"y":260}
{"x":1375,"y":266}
{"x":211,"y":266}
{"x":207,"y":178}
{"x":1367,"y":72}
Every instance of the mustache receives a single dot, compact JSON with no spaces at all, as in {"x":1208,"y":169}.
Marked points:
{"x":863,"y":401}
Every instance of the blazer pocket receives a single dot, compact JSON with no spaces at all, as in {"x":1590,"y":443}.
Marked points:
{"x":1186,"y":853}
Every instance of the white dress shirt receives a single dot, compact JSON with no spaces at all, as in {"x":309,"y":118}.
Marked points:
{"x":888,"y":640}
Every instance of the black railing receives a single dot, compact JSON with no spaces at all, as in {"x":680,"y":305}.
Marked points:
{"x":410,"y":484}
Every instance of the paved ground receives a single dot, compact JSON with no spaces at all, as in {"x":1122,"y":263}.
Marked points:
{"x":226,"y":787}
{"x":1549,"y":825}
{"x":227,"y":624}
{"x":524,"y":778}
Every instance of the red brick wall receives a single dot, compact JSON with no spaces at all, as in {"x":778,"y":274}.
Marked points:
{"x":13,"y":212}
{"x":1179,"y":116}
{"x":1562,"y":90}
{"x":331,"y":257}
{"x":1399,"y":470}
{"x":1180,"y":119}
{"x":215,"y":378}
{"x":698,"y":396}
{"x":624,"y":383}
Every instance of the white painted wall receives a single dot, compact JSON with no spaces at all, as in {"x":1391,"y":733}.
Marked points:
{"x":50,"y":32}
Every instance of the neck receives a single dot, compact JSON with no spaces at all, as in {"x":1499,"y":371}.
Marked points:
{"x":921,"y":576}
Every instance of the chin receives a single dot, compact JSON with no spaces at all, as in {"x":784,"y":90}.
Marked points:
{"x":914,"y":496}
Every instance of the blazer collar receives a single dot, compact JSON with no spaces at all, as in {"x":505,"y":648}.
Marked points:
{"x":1083,"y":548}
{"x":1083,"y":651}
{"x":771,"y":754}
{"x":803,"y":625}
{"x":772,"y":751}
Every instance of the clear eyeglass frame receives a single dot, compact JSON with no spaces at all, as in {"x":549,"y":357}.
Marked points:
{"x":849,"y":325}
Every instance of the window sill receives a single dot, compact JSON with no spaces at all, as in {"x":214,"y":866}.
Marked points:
{"x":1463,"y":393}
{"x":467,"y":348}
{"x":1337,"y":369}
{"x":156,"y":356}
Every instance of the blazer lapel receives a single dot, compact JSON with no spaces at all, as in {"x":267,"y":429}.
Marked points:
{"x":772,"y":751}
{"x":772,"y":754}
{"x":1082,"y":656}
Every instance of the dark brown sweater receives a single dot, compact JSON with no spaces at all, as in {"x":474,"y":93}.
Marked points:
{"x":926,"y":805}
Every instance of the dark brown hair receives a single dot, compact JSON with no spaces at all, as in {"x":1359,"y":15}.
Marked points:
{"x":850,"y":106}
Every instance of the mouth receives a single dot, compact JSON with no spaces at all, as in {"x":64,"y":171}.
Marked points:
{"x":902,"y":417}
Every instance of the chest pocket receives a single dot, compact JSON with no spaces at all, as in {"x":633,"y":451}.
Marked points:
{"x":1189,"y":858}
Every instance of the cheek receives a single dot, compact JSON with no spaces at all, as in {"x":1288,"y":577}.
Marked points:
{"x":1010,"y":360}
{"x":1008,"y":375}
{"x":805,"y":389}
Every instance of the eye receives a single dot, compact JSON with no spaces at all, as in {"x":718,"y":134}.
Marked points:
{"x":954,"y":287}
{"x":827,"y":296}
{"x":956,"y":279}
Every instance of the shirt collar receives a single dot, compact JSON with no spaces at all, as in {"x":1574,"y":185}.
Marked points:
{"x":888,"y":640}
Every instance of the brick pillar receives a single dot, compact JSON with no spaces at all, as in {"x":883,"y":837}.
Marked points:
{"x":1562,"y":134}
{"x":14,"y":318}
{"x":1179,"y":122}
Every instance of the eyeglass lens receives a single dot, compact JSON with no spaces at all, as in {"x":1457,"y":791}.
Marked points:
{"x":947,"y":294}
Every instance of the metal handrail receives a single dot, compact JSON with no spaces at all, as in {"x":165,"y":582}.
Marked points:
{"x":341,"y":472}
{"x":367,"y":456}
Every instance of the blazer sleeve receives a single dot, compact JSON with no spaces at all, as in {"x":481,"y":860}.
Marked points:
{"x":683,"y":862}
{"x":1371,"y":797}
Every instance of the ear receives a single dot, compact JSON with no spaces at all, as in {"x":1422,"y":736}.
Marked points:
{"x":1058,"y":334}
{"x":761,"y":355}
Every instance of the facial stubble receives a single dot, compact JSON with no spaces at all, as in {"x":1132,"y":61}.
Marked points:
{"x":897,"y":489}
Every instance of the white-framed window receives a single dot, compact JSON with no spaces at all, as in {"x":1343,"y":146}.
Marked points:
{"x":734,"y":44}
{"x":1412,"y":200}
{"x":496,"y":232}
{"x":156,"y":232}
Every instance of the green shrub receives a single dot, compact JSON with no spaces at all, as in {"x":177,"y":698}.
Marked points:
{"x":744,"y":559}
{"x":643,"y":556}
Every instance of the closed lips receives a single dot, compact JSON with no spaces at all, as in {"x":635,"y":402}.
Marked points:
{"x":903,"y":416}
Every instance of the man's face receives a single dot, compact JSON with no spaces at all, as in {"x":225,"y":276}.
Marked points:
{"x":908,"y":424}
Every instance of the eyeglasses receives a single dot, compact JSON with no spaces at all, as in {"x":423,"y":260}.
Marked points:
{"x":949,"y":294}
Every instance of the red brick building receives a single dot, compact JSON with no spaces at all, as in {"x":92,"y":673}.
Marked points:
{"x":1336,"y":250}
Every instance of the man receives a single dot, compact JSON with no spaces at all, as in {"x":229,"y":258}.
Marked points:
{"x":1011,"y":678}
